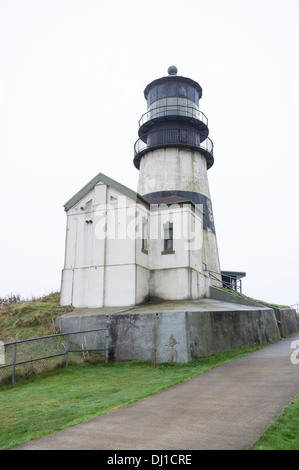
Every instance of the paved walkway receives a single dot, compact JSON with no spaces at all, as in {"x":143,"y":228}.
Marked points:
{"x":228,"y":407}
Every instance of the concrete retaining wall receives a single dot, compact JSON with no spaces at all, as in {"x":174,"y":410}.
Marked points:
{"x":178,"y":336}
{"x":287,"y":321}
{"x":224,"y":296}
{"x":286,"y":317}
{"x":222,"y":331}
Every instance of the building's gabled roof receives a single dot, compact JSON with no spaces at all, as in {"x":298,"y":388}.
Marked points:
{"x":101,"y":178}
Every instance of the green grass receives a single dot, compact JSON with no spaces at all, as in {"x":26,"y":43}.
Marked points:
{"x":283,"y":433}
{"x":54,"y":401}
{"x":262,"y":302}
{"x":62,"y":398}
{"x":30,"y":318}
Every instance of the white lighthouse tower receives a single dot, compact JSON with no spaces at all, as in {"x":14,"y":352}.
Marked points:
{"x":174,"y":152}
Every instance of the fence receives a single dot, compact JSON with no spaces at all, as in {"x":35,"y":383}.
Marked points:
{"x":28,"y":357}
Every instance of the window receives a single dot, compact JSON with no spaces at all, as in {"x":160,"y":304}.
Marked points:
{"x":88,"y":206}
{"x":144,"y":245}
{"x":168,"y":239}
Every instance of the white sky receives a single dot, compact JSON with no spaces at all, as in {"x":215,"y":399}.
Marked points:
{"x":72,"y":75}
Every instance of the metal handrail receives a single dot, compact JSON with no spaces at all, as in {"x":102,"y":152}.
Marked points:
{"x":68,"y":349}
{"x":53,"y":336}
{"x":173,"y":110}
{"x":228,"y":285}
{"x":183,"y":137}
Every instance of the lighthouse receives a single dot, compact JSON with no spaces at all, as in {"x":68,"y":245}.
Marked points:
{"x":174,"y":152}
{"x":143,"y":265}
{"x":125,"y":247}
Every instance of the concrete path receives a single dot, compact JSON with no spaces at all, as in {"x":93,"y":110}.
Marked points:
{"x":228,"y":407}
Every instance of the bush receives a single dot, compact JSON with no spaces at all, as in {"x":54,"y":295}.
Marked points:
{"x":10,"y":299}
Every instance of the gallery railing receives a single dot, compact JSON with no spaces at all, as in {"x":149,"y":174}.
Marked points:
{"x":174,"y":138}
{"x":173,"y":110}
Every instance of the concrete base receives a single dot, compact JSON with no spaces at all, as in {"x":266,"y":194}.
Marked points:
{"x":176,"y":331}
{"x":288,"y":322}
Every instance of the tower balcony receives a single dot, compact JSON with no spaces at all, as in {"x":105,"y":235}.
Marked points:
{"x":186,"y":138}
{"x":171,"y":113}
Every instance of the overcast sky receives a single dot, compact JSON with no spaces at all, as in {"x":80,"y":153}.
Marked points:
{"x":72,"y":75}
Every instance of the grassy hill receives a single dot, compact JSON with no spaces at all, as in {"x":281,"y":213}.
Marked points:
{"x":30,"y":318}
{"x":262,"y":302}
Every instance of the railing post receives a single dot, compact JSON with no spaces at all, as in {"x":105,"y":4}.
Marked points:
{"x":14,"y":364}
{"x":67,"y":352}
{"x":107,"y":345}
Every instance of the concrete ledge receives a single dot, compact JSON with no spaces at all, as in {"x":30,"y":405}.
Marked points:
{"x":219,"y":294}
{"x":177,"y":331}
{"x":286,"y":317}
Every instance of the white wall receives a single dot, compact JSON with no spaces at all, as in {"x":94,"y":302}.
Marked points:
{"x":104,"y":261}
{"x":100,"y":257}
{"x":119,"y":285}
{"x":183,"y":170}
{"x":87,"y":287}
{"x":210,"y":254}
{"x":171,"y":169}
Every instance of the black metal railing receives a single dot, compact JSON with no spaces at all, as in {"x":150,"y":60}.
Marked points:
{"x":23,"y":358}
{"x":173,"y":110}
{"x":174,"y":138}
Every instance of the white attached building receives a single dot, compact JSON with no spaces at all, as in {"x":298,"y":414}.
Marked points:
{"x":121,"y":250}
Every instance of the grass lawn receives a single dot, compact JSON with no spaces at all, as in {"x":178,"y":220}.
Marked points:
{"x":283,"y":433}
{"x":53,"y":401}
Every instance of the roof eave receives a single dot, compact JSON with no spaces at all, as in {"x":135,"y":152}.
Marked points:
{"x":101,"y":178}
